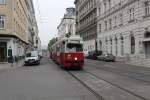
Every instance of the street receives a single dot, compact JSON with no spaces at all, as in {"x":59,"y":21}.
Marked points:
{"x":98,"y":81}
{"x":44,"y":82}
{"x":84,"y":50}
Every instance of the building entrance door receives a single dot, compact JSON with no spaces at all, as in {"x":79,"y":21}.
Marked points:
{"x":147,"y":49}
{"x":3,"y":52}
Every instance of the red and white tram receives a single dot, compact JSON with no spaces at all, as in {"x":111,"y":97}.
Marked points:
{"x":68,"y":52}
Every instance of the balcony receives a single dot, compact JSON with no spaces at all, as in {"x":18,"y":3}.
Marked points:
{"x":87,"y":12}
{"x":89,"y":24}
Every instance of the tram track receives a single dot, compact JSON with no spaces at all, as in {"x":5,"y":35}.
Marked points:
{"x":142,"y":98}
{"x":129,"y":94}
{"x":119,"y":72}
{"x":99,"y":97}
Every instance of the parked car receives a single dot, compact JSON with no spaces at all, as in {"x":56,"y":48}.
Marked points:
{"x":86,"y":54}
{"x":106,"y":57}
{"x":101,"y":57}
{"x":32,"y":58}
{"x":93,"y":54}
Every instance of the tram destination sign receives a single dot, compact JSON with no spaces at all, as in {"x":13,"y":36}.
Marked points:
{"x":74,"y":41}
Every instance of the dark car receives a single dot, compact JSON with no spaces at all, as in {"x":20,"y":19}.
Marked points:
{"x":106,"y":57}
{"x":93,"y":54}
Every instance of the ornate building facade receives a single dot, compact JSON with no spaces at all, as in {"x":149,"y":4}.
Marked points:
{"x":17,"y":27}
{"x":86,"y":25}
{"x":67,"y":25}
{"x":123,"y":28}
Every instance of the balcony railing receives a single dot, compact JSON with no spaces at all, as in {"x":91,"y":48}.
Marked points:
{"x":92,"y":22}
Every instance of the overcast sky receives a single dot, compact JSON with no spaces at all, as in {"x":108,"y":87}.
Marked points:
{"x":49,"y":14}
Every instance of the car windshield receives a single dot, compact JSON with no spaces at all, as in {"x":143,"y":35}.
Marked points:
{"x":32,"y":54}
{"x":74,"y":47}
{"x":28,"y":55}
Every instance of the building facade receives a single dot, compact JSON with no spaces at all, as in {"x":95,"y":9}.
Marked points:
{"x":14,"y":28}
{"x":86,"y":23}
{"x":67,"y":25}
{"x":32,"y":27}
{"x":124,"y":28}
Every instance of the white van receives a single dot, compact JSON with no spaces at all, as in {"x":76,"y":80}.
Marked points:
{"x":32,"y":58}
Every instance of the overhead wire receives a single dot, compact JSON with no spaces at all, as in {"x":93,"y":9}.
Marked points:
{"x":38,"y":8}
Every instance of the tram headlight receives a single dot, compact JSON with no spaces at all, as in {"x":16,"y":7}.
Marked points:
{"x":75,"y":58}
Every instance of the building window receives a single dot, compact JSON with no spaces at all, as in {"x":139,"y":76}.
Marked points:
{"x":131,"y":13}
{"x":2,"y":21}
{"x":110,"y":24}
{"x":106,"y":46}
{"x":147,"y":8}
{"x":99,"y":10}
{"x":100,"y":43}
{"x":100,"y":28}
{"x":116,"y":42}
{"x":111,"y":46}
{"x":121,"y":19}
{"x":122,"y":46}
{"x":115,"y":21}
{"x":105,"y":7}
{"x":2,"y":1}
{"x":109,"y":3}
{"x":147,"y":34}
{"x":105,"y":25}
{"x":132,"y":45}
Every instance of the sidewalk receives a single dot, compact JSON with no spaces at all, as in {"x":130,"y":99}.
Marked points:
{"x":4,"y":66}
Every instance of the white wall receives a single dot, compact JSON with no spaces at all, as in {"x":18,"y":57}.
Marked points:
{"x":89,"y":45}
{"x":136,"y":28}
{"x":17,"y":48}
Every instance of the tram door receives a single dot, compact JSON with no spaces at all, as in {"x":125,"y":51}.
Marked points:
{"x":3,"y":52}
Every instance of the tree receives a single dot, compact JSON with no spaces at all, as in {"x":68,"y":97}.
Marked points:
{"x":51,"y":42}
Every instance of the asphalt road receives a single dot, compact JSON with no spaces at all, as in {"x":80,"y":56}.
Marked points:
{"x":107,"y":80}
{"x":44,"y":82}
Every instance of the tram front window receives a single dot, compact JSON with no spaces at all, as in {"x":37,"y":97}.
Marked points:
{"x":74,"y":47}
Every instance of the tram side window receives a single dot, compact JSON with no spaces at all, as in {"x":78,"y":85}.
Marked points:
{"x":57,"y":49}
{"x":74,"y":47}
{"x":63,"y":48}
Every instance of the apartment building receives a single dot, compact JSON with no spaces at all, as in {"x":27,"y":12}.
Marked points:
{"x":15,"y":27}
{"x":124,"y":28}
{"x":86,"y":23}
{"x":67,"y":24}
{"x":32,"y":27}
